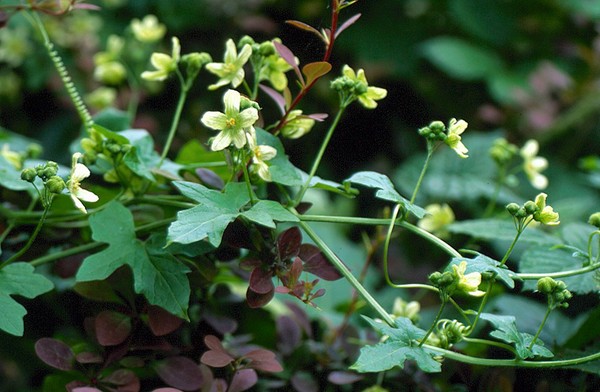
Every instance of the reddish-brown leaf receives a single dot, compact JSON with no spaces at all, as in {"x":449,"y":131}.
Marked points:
{"x":243,"y":380}
{"x":347,"y":24}
{"x":261,"y":281}
{"x":289,"y":58}
{"x":263,"y":360}
{"x":180,"y":372}
{"x":112,"y":328}
{"x":54,"y":353}
{"x":288,"y":243}
{"x":256,"y":300}
{"x":125,"y":380}
{"x":162,"y":322}
{"x":304,"y":26}
{"x":216,"y":358}
{"x":316,"y":263}
{"x":88,"y":357}
{"x":313,"y":71}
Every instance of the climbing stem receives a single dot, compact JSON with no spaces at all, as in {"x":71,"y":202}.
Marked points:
{"x":341,"y":267}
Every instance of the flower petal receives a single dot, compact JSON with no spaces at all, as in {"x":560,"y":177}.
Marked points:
{"x":86,"y":195}
{"x":214,"y":120}
{"x":231,"y":99}
{"x":221,"y":141}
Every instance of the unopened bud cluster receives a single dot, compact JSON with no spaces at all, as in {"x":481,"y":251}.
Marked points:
{"x":536,"y":210}
{"x":556,"y":291}
{"x":435,"y":131}
{"x":48,"y":174}
{"x":502,"y":152}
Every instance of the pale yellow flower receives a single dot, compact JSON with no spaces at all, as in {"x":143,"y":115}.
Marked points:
{"x":231,"y":70}
{"x":468,"y":283}
{"x":164,"y":63}
{"x":367,"y":95}
{"x":79,"y":172}
{"x":260,"y":154}
{"x":533,"y":164}
{"x":439,"y":216}
{"x":545,"y":214}
{"x":233,"y":123}
{"x":297,"y":125}
{"x":455,"y":129}
{"x":148,"y":29}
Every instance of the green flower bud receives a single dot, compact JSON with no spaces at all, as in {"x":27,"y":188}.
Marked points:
{"x":246,"y":103}
{"x":266,"y":49}
{"x":34,"y":150}
{"x":246,"y":40}
{"x":55,"y":184}
{"x":512,"y":208}
{"x":360,"y":88}
{"x":595,"y":219}
{"x":530,"y":207}
{"x":425,"y":131}
{"x":111,"y":73}
{"x":113,"y":147}
{"x":29,"y":174}
{"x":195,"y":61}
{"x":521,"y":213}
{"x":546,"y":285}
{"x":437,"y":127}
{"x":502,"y":151}
{"x":435,"y":277}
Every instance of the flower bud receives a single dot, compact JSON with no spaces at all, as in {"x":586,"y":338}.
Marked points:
{"x":33,"y":150}
{"x":29,"y":174}
{"x":55,"y":184}
{"x":246,"y":40}
{"x":521,"y":213}
{"x":546,"y":285}
{"x":530,"y":207}
{"x":595,"y":219}
{"x":195,"y":61}
{"x":111,"y":73}
{"x":512,"y":208}
{"x":266,"y":48}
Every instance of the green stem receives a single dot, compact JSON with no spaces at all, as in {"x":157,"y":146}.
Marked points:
{"x":386,"y":245}
{"x":32,"y":238}
{"x":539,"y":331}
{"x":520,"y":230}
{"x":490,"y":343}
{"x":176,"y":117}
{"x":94,"y":245}
{"x":247,"y":178}
{"x":379,"y":221}
{"x":437,"y":317}
{"x":453,"y":355}
{"x":482,"y":305}
{"x":331,"y":256}
{"x":557,"y":275}
{"x":319,"y":156}
{"x":589,"y":247}
{"x":430,"y":149}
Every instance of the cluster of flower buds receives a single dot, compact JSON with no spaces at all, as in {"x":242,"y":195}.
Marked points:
{"x":502,"y":152}
{"x":556,"y":291}
{"x":448,"y":282}
{"x":436,"y":131}
{"x":48,"y":174}
{"x":536,"y":210}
